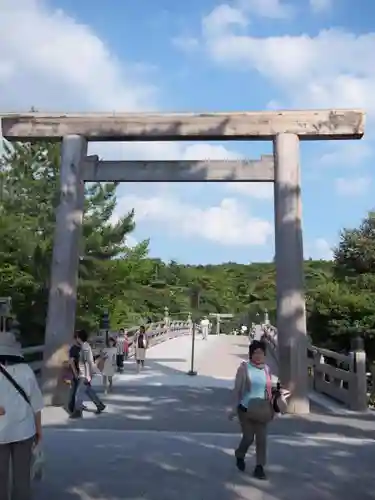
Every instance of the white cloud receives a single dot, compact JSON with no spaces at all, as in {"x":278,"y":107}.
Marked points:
{"x":352,"y":186}
{"x":318,"y":6}
{"x":50,"y":61}
{"x":222,"y":18}
{"x":227,"y":223}
{"x":320,"y":249}
{"x":332,"y":69}
{"x":256,"y":190}
{"x":186,"y":43}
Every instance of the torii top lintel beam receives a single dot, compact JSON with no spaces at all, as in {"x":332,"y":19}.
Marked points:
{"x":256,"y":126}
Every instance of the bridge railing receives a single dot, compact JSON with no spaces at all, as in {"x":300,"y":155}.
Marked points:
{"x":342,"y":377}
{"x":157,"y":332}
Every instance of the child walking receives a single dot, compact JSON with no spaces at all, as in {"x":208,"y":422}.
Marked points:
{"x":109,"y":354}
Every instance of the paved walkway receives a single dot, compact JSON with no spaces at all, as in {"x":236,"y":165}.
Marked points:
{"x":166,"y":436}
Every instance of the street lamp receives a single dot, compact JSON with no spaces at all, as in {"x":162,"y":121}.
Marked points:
{"x":194,"y":302}
{"x":104,"y":325}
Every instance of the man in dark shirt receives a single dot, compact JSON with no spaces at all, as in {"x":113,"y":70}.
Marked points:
{"x":74,"y":353}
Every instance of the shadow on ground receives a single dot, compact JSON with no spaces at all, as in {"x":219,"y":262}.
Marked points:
{"x":142,"y":447}
{"x":153,"y":466}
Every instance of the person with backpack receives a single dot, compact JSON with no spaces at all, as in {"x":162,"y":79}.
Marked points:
{"x":86,"y":369}
{"x":21,"y":404}
{"x":121,"y":342}
{"x":254,"y":406}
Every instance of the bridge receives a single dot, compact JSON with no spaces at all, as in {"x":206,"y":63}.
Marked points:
{"x":165,"y":435}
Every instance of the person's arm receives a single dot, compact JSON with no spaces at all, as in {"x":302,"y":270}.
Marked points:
{"x":237,"y":390}
{"x":37,"y":404}
{"x":72,"y":364}
{"x":38,"y":426}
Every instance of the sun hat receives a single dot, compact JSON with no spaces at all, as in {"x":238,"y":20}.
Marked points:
{"x":9,"y":345}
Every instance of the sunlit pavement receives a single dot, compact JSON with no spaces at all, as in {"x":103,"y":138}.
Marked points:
{"x":165,"y":435}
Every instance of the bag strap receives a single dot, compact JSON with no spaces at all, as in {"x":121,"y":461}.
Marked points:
{"x":15,"y":384}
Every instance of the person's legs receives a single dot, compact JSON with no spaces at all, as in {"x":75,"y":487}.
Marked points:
{"x":121,"y":362}
{"x":91,"y":394}
{"x":105,"y":383}
{"x":261,"y":450}
{"x":21,"y":453}
{"x":4,"y":470}
{"x":110,"y":384}
{"x":72,"y":395}
{"x":79,"y":398}
{"x":118,"y":362}
{"x":247,"y":439}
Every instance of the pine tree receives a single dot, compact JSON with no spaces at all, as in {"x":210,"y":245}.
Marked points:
{"x":29,"y":175}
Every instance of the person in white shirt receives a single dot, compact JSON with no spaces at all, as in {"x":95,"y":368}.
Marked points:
{"x":140,"y":344}
{"x":20,"y":419}
{"x":205,"y":326}
{"x":109,"y":354}
{"x":86,"y":369}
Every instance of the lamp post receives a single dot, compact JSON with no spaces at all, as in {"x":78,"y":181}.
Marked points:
{"x":194,"y":302}
{"x":104,"y":325}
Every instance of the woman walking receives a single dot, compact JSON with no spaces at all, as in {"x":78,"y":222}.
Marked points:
{"x":253,"y":406}
{"x":141,"y":344}
{"x":21,"y":405}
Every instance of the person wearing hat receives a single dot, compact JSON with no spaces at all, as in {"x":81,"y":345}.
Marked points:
{"x":21,"y":404}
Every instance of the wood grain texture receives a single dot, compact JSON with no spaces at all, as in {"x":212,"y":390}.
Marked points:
{"x":261,"y":170}
{"x":262,"y":125}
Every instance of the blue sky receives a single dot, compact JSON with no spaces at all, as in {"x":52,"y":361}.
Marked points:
{"x":65,"y":55}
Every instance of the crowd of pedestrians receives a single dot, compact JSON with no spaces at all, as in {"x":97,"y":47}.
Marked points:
{"x":83,"y":366}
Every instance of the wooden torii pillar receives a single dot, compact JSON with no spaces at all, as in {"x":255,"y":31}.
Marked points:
{"x":284,"y":128}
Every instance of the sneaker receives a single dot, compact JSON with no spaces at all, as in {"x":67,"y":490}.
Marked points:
{"x":259,"y":472}
{"x":240,"y":463}
{"x":76,"y":414}
{"x":100,"y":409}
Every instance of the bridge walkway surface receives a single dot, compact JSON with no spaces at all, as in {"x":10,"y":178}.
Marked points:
{"x":166,"y":436}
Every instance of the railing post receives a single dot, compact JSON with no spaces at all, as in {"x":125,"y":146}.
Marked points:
{"x":358,"y":383}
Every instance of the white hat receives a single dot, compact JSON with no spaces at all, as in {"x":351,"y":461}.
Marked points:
{"x":9,"y":345}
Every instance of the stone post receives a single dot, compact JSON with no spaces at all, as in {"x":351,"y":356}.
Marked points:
{"x":291,"y":313}
{"x":358,"y":384}
{"x":64,"y":272}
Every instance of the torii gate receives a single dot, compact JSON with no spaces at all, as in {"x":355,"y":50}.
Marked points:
{"x":284,"y":128}
{"x":218,"y":318}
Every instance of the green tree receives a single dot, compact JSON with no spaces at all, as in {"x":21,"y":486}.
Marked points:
{"x":29,"y":197}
